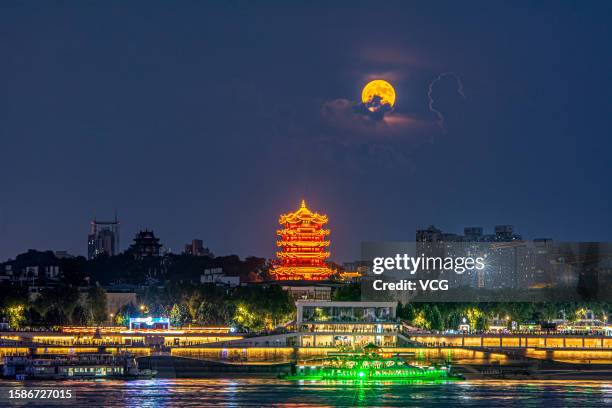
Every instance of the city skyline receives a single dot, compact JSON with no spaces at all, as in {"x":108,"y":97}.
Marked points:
{"x":209,"y":129}
{"x":196,"y":245}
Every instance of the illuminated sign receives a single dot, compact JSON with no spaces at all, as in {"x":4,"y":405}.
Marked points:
{"x":150,"y":323}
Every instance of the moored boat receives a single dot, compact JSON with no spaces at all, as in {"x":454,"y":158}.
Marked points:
{"x":81,"y":366}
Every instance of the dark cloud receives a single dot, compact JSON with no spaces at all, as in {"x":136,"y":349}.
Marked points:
{"x":357,"y":138}
{"x":374,"y":108}
{"x":354,"y":117}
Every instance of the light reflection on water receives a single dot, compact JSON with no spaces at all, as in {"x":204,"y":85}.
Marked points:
{"x":271,"y":392}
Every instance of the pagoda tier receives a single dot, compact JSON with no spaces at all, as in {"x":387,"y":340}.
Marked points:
{"x":303,"y":246}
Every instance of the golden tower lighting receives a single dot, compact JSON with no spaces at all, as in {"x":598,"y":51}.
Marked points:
{"x":303,"y":246}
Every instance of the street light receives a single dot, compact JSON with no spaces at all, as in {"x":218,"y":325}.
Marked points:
{"x":111,"y":318}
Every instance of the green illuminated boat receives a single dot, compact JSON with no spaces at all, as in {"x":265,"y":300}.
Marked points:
{"x":368,"y":365}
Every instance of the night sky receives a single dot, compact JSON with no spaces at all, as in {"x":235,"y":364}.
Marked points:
{"x":208,"y":120}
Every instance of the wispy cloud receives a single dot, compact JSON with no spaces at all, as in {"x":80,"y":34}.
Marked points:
{"x":430,"y":94}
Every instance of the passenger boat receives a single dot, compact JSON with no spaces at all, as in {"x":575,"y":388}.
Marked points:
{"x":368,"y":364}
{"x":81,"y":366}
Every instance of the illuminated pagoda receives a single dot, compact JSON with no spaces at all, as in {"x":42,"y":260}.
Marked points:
{"x":303,"y":246}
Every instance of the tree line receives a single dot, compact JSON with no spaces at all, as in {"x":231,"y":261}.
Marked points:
{"x":253,"y":308}
{"x":480,"y":316}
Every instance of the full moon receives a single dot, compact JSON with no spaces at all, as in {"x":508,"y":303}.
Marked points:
{"x":377,"y":95}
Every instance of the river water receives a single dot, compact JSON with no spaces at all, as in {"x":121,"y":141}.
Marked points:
{"x":271,"y":392}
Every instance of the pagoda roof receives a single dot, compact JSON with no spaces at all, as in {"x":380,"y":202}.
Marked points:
{"x":302,"y":214}
{"x":302,"y":273}
{"x":305,"y":232}
{"x":303,"y":255}
{"x":302,"y":244}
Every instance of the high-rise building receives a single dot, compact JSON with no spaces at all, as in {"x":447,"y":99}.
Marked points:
{"x":303,"y":246}
{"x":430,"y":234}
{"x":472,"y":233}
{"x":506,"y":263}
{"x":103,"y":238}
{"x":503,"y":233}
{"x":196,"y":248}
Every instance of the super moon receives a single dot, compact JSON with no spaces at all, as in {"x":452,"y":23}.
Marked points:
{"x":377,"y":95}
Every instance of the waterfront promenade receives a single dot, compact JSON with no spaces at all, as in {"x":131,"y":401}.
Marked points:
{"x":220,"y":343}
